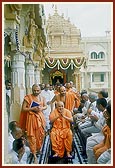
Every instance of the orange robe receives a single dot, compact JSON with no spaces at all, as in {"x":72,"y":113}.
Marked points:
{"x":105,"y":144}
{"x":34,"y":124}
{"x":70,"y":99}
{"x":56,"y":92}
{"x":77,"y":100}
{"x":61,"y":134}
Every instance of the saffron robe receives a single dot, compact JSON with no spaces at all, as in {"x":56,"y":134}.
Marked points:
{"x":105,"y":144}
{"x":33,"y":124}
{"x":70,"y":99}
{"x":61,"y":134}
{"x":77,"y":98}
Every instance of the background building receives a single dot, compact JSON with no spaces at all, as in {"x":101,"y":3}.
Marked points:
{"x":86,"y":61}
{"x":96,"y":72}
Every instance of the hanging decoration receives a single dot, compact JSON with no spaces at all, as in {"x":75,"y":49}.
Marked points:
{"x":64,"y":63}
{"x":50,"y":62}
{"x":7,"y":60}
{"x":78,"y":61}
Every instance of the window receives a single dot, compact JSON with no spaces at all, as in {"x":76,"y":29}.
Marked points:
{"x":102,"y":77}
{"x":93,"y":55}
{"x":101,"y":55}
{"x":98,"y":77}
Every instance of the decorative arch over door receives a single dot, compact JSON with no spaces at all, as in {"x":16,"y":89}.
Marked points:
{"x":57,"y":76}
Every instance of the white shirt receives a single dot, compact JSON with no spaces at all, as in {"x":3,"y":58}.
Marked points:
{"x":15,"y":160}
{"x":101,"y":121}
{"x":46,"y":95}
{"x":10,"y":142}
{"x":10,"y":145}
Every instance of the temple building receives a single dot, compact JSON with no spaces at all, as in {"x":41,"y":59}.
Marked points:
{"x":64,"y":54}
{"x":84,"y":60}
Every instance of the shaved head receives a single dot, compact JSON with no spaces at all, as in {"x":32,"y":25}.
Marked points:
{"x":60,"y":103}
{"x":36,"y":90}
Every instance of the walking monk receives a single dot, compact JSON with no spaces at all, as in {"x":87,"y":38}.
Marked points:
{"x":32,"y":119}
{"x":68,"y":98}
{"x":61,"y":134}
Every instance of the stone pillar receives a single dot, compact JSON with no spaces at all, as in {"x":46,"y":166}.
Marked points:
{"x":106,"y":78}
{"x":86,"y":81}
{"x":37,"y":74}
{"x":29,"y":76}
{"x":77,"y":79}
{"x":18,"y":84}
{"x":91,"y":76}
{"x":5,"y":129}
{"x":110,"y":84}
{"x":82,"y":80}
{"x":91,"y":80}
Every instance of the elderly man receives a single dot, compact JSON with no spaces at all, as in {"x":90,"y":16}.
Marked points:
{"x":98,"y":137}
{"x":67,"y":98}
{"x":105,"y":144}
{"x":47,"y":95}
{"x":32,"y":119}
{"x":61,"y":134}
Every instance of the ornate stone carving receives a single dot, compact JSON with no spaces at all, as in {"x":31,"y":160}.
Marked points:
{"x":12,"y":11}
{"x":39,"y":53}
{"x":16,"y":8}
{"x":30,"y":37}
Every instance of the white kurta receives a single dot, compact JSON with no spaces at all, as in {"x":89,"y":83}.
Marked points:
{"x":47,"y":95}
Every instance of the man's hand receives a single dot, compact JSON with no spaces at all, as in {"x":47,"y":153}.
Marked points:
{"x":35,"y":109}
{"x":94,"y":117}
{"x":22,"y":151}
{"x":89,"y":111}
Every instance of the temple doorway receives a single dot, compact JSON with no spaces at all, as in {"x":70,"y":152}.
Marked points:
{"x":57,"y":77}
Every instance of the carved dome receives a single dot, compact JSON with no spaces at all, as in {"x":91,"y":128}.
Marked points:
{"x":57,"y":24}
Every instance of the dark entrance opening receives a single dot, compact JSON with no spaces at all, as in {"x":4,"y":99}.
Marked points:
{"x":57,"y":79}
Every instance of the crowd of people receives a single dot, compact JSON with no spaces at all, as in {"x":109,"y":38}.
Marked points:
{"x":60,"y":111}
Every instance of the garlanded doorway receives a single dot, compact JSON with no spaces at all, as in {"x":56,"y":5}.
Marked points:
{"x":57,"y":76}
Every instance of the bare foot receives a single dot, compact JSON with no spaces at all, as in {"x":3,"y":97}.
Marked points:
{"x":35,"y":161}
{"x":68,"y":155}
{"x":55,"y":155}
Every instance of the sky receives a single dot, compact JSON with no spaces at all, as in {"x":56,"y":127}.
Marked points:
{"x":93,"y":19}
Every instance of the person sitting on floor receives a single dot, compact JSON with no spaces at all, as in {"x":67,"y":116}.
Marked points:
{"x":105,"y":144}
{"x":16,"y":133}
{"x":61,"y":134}
{"x":18,"y":154}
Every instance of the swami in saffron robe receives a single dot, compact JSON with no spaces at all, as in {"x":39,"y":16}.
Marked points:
{"x":33,"y":124}
{"x":61,"y":134}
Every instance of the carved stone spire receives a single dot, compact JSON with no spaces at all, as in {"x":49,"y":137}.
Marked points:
{"x":55,"y":8}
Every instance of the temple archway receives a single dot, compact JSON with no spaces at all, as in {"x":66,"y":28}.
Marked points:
{"x":57,"y":76}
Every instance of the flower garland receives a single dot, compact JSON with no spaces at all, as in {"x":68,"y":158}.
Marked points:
{"x":78,"y":61}
{"x":50,"y":63}
{"x":64,"y":63}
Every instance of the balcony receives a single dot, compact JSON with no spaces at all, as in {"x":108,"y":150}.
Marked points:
{"x":98,"y":85}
